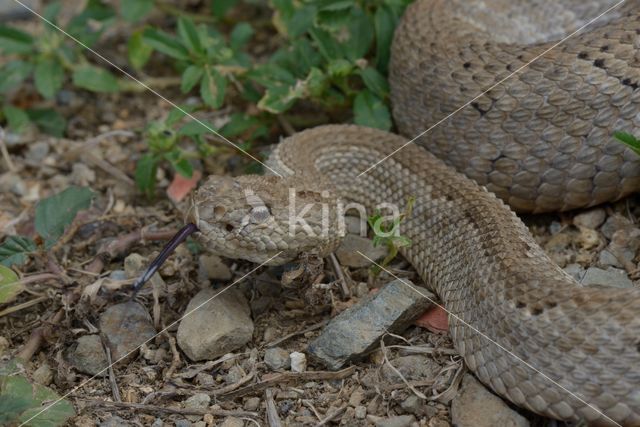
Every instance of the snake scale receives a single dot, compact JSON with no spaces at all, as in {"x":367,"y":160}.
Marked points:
{"x":540,"y":141}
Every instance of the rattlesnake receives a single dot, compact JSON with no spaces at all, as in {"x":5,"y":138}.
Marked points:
{"x":540,"y":141}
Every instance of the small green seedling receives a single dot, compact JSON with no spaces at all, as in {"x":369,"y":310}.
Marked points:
{"x":629,"y":140}
{"x":388,"y":234}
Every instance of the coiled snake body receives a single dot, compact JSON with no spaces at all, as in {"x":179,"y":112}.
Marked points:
{"x":541,"y":141}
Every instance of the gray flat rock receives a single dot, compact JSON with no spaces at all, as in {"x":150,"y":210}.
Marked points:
{"x":357,"y":330}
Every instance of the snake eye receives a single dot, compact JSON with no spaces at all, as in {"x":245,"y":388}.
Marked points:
{"x":229,"y":227}
{"x":259,"y":214}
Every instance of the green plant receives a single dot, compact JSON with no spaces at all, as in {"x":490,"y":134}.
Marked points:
{"x":336,"y":54}
{"x":52,"y":216}
{"x":387,"y":233}
{"x":21,"y":400}
{"x":48,"y":58}
{"x":629,"y":140}
{"x":333,"y":53}
{"x":176,"y":143}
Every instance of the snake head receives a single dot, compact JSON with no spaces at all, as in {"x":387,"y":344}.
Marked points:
{"x":263,"y":219}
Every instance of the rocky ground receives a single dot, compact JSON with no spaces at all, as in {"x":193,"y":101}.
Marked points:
{"x":264,"y":351}
{"x":260,"y":350}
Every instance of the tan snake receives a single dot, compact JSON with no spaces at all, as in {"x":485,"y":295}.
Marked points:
{"x":541,"y":141}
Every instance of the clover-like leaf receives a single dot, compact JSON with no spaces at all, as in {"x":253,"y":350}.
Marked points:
{"x":55,"y":213}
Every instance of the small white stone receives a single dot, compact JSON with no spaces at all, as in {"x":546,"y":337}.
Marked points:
{"x":298,"y":362}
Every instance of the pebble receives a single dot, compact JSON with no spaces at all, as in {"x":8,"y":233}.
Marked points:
{"x":204,"y":379}
{"x":591,"y":219}
{"x":82,"y":175}
{"x":362,"y":290}
{"x":614,"y":223}
{"x":11,"y":182}
{"x":197,"y":401}
{"x":114,"y":421}
{"x":88,"y":356}
{"x":220,"y":324}
{"x":348,"y":250}
{"x":357,"y":330}
{"x":252,"y":404}
{"x":414,"y":405}
{"x":232,"y":422}
{"x":4,"y":345}
{"x":475,"y":406}
{"x":298,"y":362}
{"x":588,"y":238}
{"x":126,"y":326}
{"x":413,"y":368}
{"x":609,"y":277}
{"x":277,"y":358}
{"x":37,"y":152}
{"x":213,"y":268}
{"x":43,"y":375}
{"x":361,"y":412}
{"x":183,"y":423}
{"x":397,"y":421}
{"x":118,"y":275}
{"x":576,"y":271}
{"x":135,"y":264}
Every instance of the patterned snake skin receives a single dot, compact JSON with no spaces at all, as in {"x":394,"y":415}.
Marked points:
{"x":542,"y":141}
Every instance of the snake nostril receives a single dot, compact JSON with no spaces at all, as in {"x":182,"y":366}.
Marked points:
{"x":520,"y":304}
{"x":536,"y":311}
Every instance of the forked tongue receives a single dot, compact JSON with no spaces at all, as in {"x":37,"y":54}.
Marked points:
{"x":168,"y":249}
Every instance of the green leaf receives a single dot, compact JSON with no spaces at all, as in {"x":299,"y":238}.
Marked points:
{"x":48,"y":76}
{"x":279,"y":99}
{"x":138,"y":51}
{"x":384,"y":24}
{"x":190,"y":77}
{"x":146,"y":174}
{"x":317,"y":83}
{"x":240,"y":35}
{"x":95,"y":79}
{"x":189,"y":35}
{"x":329,"y":47}
{"x":165,"y":43}
{"x":20,"y":401}
{"x":14,"y":250}
{"x":55,"y":213}
{"x":48,"y":121}
{"x":13,"y":40}
{"x":195,"y":128}
{"x":17,"y":119}
{"x":9,"y":285}
{"x":629,"y":140}
{"x":13,"y":74}
{"x":360,"y":35}
{"x":301,"y":21}
{"x":369,"y":110}
{"x":179,"y":163}
{"x":239,"y":124}
{"x":220,"y":7}
{"x":51,"y":11}
{"x":212,"y":87}
{"x":375,"y":82}
{"x":134,"y":10}
{"x":339,"y":68}
{"x":176,"y":114}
